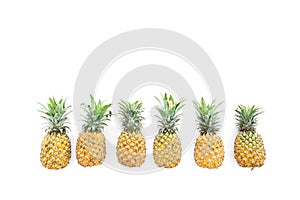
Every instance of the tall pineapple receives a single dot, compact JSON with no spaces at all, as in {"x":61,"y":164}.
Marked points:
{"x":209,"y":148}
{"x":131,"y":146}
{"x":90,"y":147}
{"x":56,"y":145}
{"x":167,"y":145}
{"x":249,"y":150}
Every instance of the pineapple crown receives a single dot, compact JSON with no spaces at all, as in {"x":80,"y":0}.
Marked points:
{"x":131,"y":116}
{"x":97,"y":114}
{"x":168,"y":110}
{"x":246,"y":117}
{"x":56,"y":115}
{"x":207,"y":117}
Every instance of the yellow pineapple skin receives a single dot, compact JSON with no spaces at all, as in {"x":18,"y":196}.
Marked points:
{"x":249,"y":150}
{"x":209,"y":151}
{"x":167,"y":150}
{"x":55,"y":151}
{"x":90,"y":149}
{"x":131,"y":149}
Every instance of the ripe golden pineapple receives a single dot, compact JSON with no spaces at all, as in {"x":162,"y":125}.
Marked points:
{"x":56,"y":145}
{"x":167,"y":145}
{"x":90,"y":147}
{"x":131,"y":146}
{"x":209,"y":148}
{"x":249,"y":150}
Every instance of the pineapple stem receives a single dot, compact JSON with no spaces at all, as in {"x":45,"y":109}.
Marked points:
{"x":97,"y":113}
{"x":56,"y":115}
{"x":168,"y":109}
{"x":131,"y":116}
{"x":207,"y":117}
{"x":247,"y":117}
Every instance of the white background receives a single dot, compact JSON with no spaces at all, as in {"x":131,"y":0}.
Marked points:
{"x":255,"y":46}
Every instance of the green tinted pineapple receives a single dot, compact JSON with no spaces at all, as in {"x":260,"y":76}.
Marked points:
{"x":249,"y":150}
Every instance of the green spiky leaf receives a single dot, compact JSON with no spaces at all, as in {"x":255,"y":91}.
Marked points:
{"x":131,"y":116}
{"x":247,"y":117}
{"x":207,"y":117}
{"x":97,"y":113}
{"x":55,"y":114}
{"x":169,"y":113}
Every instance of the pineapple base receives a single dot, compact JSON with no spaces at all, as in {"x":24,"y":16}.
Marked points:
{"x":90,"y":149}
{"x":131,"y":149}
{"x":167,"y":150}
{"x":249,"y":150}
{"x":55,"y":151}
{"x":209,"y":151}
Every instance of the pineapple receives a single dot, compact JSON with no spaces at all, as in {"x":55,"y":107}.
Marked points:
{"x":56,"y":145}
{"x":167,"y":145}
{"x":90,"y":147}
{"x":131,"y":146}
{"x":249,"y":150}
{"x":209,"y":148}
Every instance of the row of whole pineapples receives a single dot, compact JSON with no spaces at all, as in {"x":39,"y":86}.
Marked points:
{"x":131,"y":146}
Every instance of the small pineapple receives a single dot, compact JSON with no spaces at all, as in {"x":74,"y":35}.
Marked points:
{"x":56,"y":145}
{"x":249,"y":150}
{"x":131,"y":146}
{"x":209,"y":148}
{"x":90,"y":147}
{"x":167,"y":145}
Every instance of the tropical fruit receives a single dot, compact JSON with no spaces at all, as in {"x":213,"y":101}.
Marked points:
{"x":131,"y":145}
{"x":90,"y":147}
{"x":249,"y":150}
{"x":209,"y":148}
{"x":56,"y":145}
{"x":167,"y":144}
